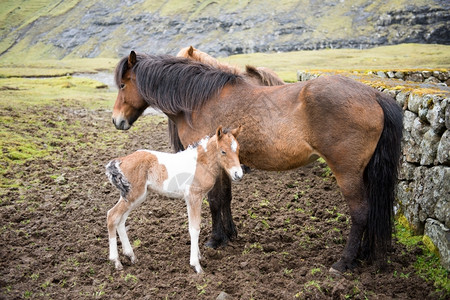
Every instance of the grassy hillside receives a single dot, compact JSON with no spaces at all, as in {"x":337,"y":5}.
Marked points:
{"x":45,"y":29}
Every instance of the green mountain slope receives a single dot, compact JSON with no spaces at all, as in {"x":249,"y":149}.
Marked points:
{"x":32,"y":29}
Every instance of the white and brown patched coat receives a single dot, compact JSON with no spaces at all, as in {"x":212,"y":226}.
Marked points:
{"x":189,"y":174}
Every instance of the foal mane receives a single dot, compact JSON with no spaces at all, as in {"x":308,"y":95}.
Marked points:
{"x":176,"y":85}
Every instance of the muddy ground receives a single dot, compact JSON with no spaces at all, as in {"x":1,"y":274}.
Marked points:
{"x":292,"y":226}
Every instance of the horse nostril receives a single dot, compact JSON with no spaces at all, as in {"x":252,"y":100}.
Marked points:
{"x":122,"y":124}
{"x":114,"y":121}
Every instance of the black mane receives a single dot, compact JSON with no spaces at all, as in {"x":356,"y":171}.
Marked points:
{"x":175,"y":85}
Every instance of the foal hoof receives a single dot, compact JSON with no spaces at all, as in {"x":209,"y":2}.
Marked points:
{"x":198,"y":269}
{"x":118,"y":265}
{"x":131,"y":257}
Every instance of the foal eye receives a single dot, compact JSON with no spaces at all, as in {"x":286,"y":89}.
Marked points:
{"x":223,"y":152}
{"x":122,"y":85}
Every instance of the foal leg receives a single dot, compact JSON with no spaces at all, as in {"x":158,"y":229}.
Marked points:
{"x":353,"y":191}
{"x":223,"y":228}
{"x":194,"y":205}
{"x":114,"y":217}
{"x":126,"y":246}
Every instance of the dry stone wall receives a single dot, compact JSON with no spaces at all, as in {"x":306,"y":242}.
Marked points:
{"x":427,"y":76}
{"x":423,"y":192}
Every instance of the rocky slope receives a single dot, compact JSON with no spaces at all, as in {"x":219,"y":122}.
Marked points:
{"x":82,"y":28}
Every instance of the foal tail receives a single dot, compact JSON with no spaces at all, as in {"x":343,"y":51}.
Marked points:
{"x":380,"y":179}
{"x":117,"y":178}
{"x":174,"y":138}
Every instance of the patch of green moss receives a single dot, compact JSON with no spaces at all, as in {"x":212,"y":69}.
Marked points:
{"x":427,"y":264}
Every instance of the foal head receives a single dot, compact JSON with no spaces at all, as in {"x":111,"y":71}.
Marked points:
{"x":228,"y":152}
{"x":129,"y":104}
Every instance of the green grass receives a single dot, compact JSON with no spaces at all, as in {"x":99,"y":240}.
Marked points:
{"x":427,"y":264}
{"x":50,"y":91}
{"x":54,"y":68}
{"x":29,"y":128}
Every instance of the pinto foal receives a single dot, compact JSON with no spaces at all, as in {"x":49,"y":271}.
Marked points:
{"x":189,"y":174}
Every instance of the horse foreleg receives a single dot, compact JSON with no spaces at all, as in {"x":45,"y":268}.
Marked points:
{"x":230,"y":228}
{"x":194,"y":205}
{"x":223,"y":228}
{"x":354,"y":196}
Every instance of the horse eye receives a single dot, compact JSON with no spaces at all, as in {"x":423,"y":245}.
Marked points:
{"x":122,"y":85}
{"x":223,"y":152}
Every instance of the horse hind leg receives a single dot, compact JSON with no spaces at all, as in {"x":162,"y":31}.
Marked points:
{"x":114,"y":217}
{"x":126,"y":246}
{"x":353,"y":192}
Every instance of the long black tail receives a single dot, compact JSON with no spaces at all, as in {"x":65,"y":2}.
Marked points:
{"x":174,"y":138}
{"x":380,"y":179}
{"x":117,"y":178}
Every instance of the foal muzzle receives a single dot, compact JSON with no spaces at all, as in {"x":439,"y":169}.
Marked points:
{"x":236,"y":173}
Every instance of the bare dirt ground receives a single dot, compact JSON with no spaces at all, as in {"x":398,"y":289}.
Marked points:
{"x":292,"y":226}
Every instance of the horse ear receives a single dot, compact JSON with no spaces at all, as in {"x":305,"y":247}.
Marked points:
{"x":235,"y":132}
{"x":132,"y":59}
{"x":219,"y":132}
{"x":191,"y":51}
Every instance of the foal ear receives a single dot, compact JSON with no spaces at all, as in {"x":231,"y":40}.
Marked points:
{"x":219,"y":132}
{"x":235,"y":132}
{"x":191,"y":51}
{"x":132,"y":59}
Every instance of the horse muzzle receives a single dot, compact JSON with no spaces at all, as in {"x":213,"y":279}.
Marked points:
{"x":121,"y":123}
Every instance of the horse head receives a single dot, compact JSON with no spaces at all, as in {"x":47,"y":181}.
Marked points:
{"x":129,"y":104}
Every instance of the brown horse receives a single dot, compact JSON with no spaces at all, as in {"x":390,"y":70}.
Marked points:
{"x":256,"y":75}
{"x":356,"y":129}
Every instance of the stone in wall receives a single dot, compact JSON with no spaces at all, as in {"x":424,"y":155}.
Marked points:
{"x":414,"y":102}
{"x":440,"y":236}
{"x":432,"y":186}
{"x":428,"y":147}
{"x":447,"y":116}
{"x":409,"y":207}
{"x":402,"y":98}
{"x":435,"y":114}
{"x":443,"y":151}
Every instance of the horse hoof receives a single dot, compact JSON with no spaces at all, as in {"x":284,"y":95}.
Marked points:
{"x":214,"y":244}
